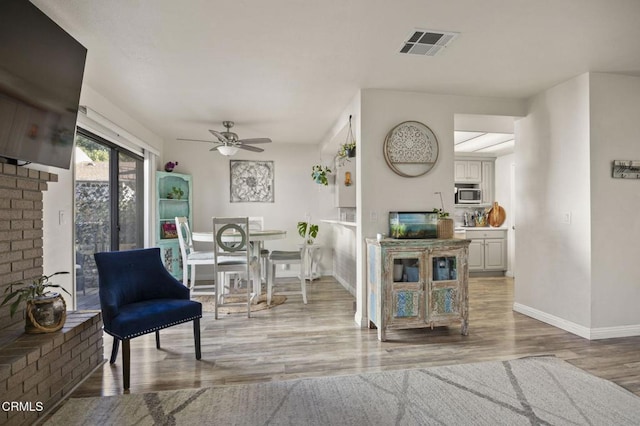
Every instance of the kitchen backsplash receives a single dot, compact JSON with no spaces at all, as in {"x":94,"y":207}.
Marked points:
{"x":458,"y":216}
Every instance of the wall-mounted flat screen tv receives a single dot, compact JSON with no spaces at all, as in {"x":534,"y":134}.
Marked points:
{"x":41,"y":70}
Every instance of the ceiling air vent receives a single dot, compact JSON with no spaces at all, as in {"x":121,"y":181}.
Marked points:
{"x":427,"y":42}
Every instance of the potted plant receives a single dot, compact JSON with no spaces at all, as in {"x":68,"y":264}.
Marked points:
{"x":319,"y":174}
{"x":445,"y":224}
{"x":347,"y":150}
{"x":176,"y":193}
{"x":170,"y":165}
{"x":45,"y":310}
{"x":313,"y":231}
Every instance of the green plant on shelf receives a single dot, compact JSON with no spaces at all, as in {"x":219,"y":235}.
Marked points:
{"x":175,"y":194}
{"x":398,"y":230}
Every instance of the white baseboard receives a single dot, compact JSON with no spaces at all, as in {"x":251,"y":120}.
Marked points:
{"x":577,"y":329}
{"x":553,"y":320}
{"x":612,"y":332}
{"x":346,"y":285}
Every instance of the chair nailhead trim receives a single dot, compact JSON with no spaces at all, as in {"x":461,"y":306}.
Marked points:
{"x":153,"y":329}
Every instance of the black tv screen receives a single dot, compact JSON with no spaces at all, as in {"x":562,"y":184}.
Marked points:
{"x":41,"y":70}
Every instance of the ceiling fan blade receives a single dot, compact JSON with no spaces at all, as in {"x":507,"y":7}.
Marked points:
{"x":220,"y":136}
{"x":249,"y":148}
{"x":255,"y":140}
{"x":196,"y":140}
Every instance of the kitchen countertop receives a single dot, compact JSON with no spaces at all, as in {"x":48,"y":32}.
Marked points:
{"x":479,"y":228}
{"x":339,"y":222}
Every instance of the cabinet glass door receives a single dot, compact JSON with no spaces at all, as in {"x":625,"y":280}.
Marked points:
{"x":407,"y":287}
{"x":444,"y":288}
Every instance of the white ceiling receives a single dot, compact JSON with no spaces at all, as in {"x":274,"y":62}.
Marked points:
{"x":285,"y":69}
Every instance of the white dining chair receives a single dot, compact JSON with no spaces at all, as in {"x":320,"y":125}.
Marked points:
{"x":191,"y":258}
{"x":256,"y":223}
{"x":232,"y":253}
{"x":296,"y":257}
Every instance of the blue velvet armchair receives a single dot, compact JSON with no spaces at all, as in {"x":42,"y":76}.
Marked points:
{"x":138,"y":296}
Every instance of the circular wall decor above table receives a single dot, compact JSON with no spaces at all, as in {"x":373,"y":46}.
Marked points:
{"x":411,"y":149}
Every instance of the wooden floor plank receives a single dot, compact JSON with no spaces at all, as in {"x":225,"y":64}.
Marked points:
{"x":294,"y":340}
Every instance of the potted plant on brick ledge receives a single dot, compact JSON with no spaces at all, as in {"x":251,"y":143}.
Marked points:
{"x":46,"y":311}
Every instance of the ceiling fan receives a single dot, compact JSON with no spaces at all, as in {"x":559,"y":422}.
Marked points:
{"x":228,"y":142}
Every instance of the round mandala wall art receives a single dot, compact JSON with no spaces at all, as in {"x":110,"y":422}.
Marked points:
{"x":411,"y":149}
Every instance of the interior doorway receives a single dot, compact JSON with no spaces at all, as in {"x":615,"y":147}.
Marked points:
{"x":487,"y":136}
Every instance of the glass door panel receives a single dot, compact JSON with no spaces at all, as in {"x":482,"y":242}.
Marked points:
{"x":130,"y":211}
{"x":108,"y":208}
{"x":444,"y":286}
{"x":92,"y":216}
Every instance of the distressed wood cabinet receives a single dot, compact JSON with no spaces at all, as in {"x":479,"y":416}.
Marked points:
{"x":417,"y":283}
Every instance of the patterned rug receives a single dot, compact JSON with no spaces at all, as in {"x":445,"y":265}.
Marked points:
{"x":540,"y":391}
{"x":259,"y":305}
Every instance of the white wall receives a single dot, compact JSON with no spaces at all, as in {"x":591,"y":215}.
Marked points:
{"x":344,"y":240}
{"x":615,"y":203}
{"x":503,"y":187}
{"x":296,"y":194}
{"x":381,"y":190}
{"x":59,"y":235}
{"x":553,"y":175}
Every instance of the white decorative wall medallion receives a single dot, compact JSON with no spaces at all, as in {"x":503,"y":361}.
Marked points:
{"x":411,"y":149}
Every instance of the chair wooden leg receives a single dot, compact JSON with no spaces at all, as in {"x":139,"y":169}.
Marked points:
{"x":218,"y":285}
{"x":126,"y":357}
{"x":193,"y":278}
{"x":196,"y":337}
{"x":303,"y":288}
{"x":114,"y":351}
{"x":185,"y":276}
{"x":249,"y":301}
{"x":270,"y":277}
{"x":158,"y":338}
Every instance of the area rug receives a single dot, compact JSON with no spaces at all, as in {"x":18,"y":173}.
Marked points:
{"x":540,"y":390}
{"x":259,"y":305}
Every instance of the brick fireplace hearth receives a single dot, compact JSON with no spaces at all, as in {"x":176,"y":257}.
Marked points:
{"x":36,"y":368}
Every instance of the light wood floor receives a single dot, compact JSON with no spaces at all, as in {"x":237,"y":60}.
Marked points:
{"x":294,"y":340}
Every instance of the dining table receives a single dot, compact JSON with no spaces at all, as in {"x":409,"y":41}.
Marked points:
{"x":256,"y":237}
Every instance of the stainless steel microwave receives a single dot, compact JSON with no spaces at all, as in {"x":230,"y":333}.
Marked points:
{"x":468,"y":196}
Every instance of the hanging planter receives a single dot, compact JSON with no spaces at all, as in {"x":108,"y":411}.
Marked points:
{"x":348,"y":149}
{"x":319,"y":174}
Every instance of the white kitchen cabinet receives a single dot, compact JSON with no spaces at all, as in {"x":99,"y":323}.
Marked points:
{"x":487,"y":183}
{"x":468,"y":171}
{"x":488,"y":249}
{"x":476,"y":255}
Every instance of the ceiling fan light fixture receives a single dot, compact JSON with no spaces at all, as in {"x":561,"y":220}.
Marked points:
{"x":227,"y":150}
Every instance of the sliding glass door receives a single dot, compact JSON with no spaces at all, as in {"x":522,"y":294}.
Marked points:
{"x":108,"y":208}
